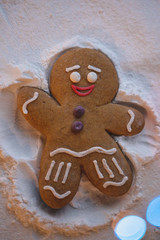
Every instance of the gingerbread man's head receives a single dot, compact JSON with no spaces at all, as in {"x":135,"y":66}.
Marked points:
{"x":84,"y":75}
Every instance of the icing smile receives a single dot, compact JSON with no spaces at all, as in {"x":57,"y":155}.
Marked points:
{"x":82,"y":91}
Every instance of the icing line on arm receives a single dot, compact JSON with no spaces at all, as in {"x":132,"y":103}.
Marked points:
{"x":132,"y":117}
{"x":24,"y":107}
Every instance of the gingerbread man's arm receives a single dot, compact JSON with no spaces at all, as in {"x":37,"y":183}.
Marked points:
{"x":122,"y":120}
{"x":37,"y":107}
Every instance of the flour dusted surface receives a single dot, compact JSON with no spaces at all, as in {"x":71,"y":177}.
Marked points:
{"x":32,"y":36}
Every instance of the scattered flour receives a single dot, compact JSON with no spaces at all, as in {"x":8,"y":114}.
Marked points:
{"x":32,"y":39}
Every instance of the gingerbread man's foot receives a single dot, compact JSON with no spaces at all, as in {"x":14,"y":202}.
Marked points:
{"x":59,"y":180}
{"x":111,"y":174}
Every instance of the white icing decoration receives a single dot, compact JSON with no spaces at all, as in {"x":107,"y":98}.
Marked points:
{"x":132,"y":115}
{"x":24,"y":107}
{"x":117,"y":166}
{"x":92,"y":77}
{"x":75,"y":77}
{"x":57,"y":195}
{"x":94,"y":68}
{"x":117,"y":184}
{"x":72,"y":68}
{"x":83,"y":153}
{"x":47,"y":177}
{"x":66,"y":172}
{"x":58,"y":171}
{"x":107,"y":168}
{"x":100,"y":175}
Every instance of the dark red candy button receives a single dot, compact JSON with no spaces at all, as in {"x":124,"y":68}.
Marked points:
{"x":77,"y":126}
{"x":78,"y":111}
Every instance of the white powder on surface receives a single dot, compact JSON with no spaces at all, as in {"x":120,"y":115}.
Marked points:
{"x":32,"y":35}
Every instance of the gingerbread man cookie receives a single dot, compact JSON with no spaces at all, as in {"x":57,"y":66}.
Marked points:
{"x":77,"y":121}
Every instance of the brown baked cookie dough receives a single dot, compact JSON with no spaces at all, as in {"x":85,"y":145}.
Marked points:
{"x":77,"y":121}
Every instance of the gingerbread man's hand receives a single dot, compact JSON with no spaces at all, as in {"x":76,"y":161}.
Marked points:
{"x":37,"y":107}
{"x":122,"y":120}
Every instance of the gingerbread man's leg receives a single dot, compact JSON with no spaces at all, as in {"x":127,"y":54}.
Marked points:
{"x":59,"y":178}
{"x":109,"y":171}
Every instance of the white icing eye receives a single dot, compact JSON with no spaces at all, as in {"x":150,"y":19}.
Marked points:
{"x":92,"y":77}
{"x":75,"y":77}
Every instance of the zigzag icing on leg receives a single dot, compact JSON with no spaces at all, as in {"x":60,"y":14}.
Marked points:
{"x":116,"y":184}
{"x":57,"y":195}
